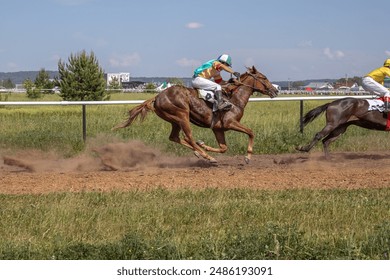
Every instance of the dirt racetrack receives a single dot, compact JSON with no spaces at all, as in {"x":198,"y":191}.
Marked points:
{"x":132,"y":165}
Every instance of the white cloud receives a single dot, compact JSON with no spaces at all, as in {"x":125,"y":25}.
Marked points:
{"x":73,"y":2}
{"x":12,"y":66}
{"x":98,"y":42}
{"x":333,"y":54}
{"x":305,"y":44}
{"x":249,"y":61}
{"x":124,"y":60}
{"x":186,"y":62}
{"x":194,"y":25}
{"x":280,"y":64}
{"x":55,"y":57}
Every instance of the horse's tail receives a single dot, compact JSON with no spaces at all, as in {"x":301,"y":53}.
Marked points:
{"x":139,"y":111}
{"x":314,"y":113}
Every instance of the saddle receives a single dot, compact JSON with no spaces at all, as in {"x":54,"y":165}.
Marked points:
{"x":208,"y":95}
{"x":378,"y":105}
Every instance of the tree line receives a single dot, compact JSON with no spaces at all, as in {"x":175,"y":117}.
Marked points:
{"x":8,"y":84}
{"x":80,"y":78}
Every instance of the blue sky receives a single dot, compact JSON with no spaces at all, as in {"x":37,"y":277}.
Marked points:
{"x":286,"y":40}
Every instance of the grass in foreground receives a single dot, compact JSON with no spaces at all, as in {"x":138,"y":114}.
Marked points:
{"x":201,"y":224}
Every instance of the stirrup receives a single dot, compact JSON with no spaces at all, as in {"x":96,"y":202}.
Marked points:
{"x":386,"y":101}
{"x":225,"y":106}
{"x":386,"y":106}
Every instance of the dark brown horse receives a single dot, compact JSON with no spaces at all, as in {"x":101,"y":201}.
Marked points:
{"x":180,"y":105}
{"x":340,"y":114}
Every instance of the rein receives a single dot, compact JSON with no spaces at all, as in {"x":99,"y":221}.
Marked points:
{"x":252,"y":87}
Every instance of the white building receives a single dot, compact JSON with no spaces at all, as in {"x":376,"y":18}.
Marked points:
{"x":120,"y":77}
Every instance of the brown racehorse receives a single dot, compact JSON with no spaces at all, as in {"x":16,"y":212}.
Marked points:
{"x":180,"y":105}
{"x":340,"y":114}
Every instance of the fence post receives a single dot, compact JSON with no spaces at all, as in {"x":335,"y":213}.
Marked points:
{"x":301,"y":116}
{"x":84,"y":123}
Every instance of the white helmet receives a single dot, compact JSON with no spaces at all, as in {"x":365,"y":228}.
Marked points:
{"x":225,"y":58}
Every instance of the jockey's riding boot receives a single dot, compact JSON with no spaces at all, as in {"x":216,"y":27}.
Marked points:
{"x":386,"y":100}
{"x":222,"y":105}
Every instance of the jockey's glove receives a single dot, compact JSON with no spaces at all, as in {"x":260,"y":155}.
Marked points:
{"x":236,"y":74}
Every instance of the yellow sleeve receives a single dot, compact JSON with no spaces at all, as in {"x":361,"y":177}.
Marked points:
{"x":387,"y":71}
{"x":220,"y":66}
{"x":379,"y":74}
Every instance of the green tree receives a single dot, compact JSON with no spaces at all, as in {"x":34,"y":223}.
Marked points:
{"x":31,"y":91}
{"x":8,"y":84}
{"x":81,"y":78}
{"x":150,"y":88}
{"x":297,"y":84}
{"x":115,"y":85}
{"x":176,"y":81}
{"x":343,"y":81}
{"x":43,"y":82}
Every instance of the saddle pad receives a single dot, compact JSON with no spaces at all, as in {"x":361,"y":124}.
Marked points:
{"x":378,"y":105}
{"x":375,"y":105}
{"x":207,"y":95}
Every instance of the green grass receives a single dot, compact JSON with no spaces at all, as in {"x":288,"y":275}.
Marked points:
{"x":202,"y":224}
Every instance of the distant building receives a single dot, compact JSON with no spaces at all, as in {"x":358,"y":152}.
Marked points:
{"x":120,"y":77}
{"x":318,"y":86}
{"x":133,"y":85}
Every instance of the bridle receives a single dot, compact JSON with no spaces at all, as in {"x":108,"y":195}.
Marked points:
{"x":262,"y":79}
{"x":256,"y":79}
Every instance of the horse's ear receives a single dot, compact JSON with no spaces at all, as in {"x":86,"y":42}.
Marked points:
{"x":254,"y":69}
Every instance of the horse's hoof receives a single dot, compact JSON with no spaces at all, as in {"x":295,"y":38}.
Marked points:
{"x":213,"y":160}
{"x":300,"y":148}
{"x":196,"y":153}
{"x":247,"y":160}
{"x":200,"y":142}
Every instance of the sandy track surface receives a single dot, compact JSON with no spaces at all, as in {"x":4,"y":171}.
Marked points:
{"x":126,"y":166}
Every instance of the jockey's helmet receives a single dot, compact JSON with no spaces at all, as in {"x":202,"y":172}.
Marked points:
{"x":225,"y":58}
{"x":387,"y":62}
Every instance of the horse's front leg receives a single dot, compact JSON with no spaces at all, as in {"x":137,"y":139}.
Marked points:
{"x":220,"y":137}
{"x":236,"y":126}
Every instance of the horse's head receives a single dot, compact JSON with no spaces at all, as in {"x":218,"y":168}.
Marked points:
{"x":261,"y":83}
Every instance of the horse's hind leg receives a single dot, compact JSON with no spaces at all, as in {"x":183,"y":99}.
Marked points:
{"x":333,"y":136}
{"x":185,"y":126}
{"x":188,"y":141}
{"x":220,"y":136}
{"x":317,"y":137}
{"x":175,"y":136}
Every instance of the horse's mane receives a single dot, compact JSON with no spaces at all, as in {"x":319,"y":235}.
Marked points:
{"x":232,"y":84}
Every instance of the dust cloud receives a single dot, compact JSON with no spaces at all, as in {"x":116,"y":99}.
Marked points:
{"x":113,"y":156}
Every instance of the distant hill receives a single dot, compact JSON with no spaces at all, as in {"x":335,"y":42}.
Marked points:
{"x":284,"y":84}
{"x":21,"y":76}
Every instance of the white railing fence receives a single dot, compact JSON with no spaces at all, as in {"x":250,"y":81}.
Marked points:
{"x":301,"y":99}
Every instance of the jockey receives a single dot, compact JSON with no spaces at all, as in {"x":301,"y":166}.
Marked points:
{"x":373,"y":82}
{"x":208,"y":77}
